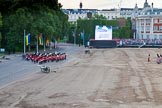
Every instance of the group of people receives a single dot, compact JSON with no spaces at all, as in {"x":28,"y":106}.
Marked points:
{"x":158,"y":60}
{"x":159,"y":55}
{"x":140,"y":42}
{"x":45,"y":57}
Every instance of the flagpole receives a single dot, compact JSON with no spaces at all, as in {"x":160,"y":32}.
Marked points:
{"x":24,"y":42}
{"x":37,"y":44}
{"x":29,"y":37}
{"x":44,"y":43}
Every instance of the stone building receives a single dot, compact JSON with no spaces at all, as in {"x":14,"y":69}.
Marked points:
{"x":148,"y":23}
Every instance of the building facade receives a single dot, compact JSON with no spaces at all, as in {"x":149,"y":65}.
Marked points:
{"x":75,"y":14}
{"x":110,"y":14}
{"x":148,"y":23}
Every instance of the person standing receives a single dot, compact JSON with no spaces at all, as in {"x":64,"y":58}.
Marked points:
{"x":149,"y":58}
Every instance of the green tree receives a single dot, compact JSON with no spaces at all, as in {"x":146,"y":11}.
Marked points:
{"x":43,"y":20}
{"x":125,"y":32}
{"x":10,"y":5}
{"x":99,"y":17}
{"x":0,"y":28}
{"x":88,"y":26}
{"x":0,"y":20}
{"x":35,"y":16}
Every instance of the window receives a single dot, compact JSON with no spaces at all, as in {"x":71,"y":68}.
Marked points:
{"x":148,"y":20}
{"x":160,"y":20}
{"x":160,"y":27}
{"x":155,"y":36}
{"x":160,"y":36}
{"x":142,"y":37}
{"x":148,"y":28}
{"x":142,"y":28}
{"x":155,"y":20}
{"x":142,"y":20}
{"x":76,"y":17}
{"x":155,"y":28}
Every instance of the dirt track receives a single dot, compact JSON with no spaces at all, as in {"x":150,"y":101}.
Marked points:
{"x":105,"y":78}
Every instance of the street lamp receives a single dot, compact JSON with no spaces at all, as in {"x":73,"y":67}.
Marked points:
{"x":82,"y":36}
{"x":74,"y":35}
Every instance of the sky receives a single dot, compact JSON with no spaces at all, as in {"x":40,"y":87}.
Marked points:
{"x":107,"y":4}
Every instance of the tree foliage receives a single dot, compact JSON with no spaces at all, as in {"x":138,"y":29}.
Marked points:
{"x":0,"y":28}
{"x":89,"y":26}
{"x":98,"y":17}
{"x":12,"y":5}
{"x":38,"y":19}
{"x":125,"y":32}
{"x":0,"y":20}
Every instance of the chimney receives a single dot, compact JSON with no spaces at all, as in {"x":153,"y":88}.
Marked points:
{"x":80,"y":5}
{"x":152,"y":6}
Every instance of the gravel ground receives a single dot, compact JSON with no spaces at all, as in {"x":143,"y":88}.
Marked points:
{"x":105,"y":78}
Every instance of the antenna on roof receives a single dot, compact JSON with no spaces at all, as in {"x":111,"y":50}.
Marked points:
{"x":119,"y":5}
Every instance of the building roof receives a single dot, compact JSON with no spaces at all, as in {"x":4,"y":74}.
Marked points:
{"x":79,"y":11}
{"x":146,"y":4}
{"x":152,"y":11}
{"x":122,"y":9}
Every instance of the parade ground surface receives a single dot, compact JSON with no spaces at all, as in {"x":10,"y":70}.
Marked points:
{"x":103,"y":78}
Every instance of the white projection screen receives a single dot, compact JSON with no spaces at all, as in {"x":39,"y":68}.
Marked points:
{"x":103,"y":32}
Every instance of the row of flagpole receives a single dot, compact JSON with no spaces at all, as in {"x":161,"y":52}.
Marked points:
{"x":27,"y":42}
